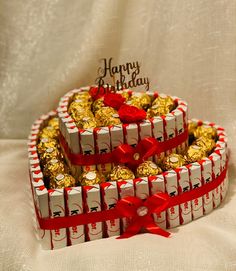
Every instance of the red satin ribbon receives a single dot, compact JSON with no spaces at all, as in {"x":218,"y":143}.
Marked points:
{"x":130,"y":207}
{"x":125,"y":153}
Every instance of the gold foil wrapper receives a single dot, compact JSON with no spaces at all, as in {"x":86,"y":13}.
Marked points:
{"x":166,"y":102}
{"x":78,"y":106}
{"x":192,"y":126}
{"x":205,"y":131}
{"x":147,"y":168}
{"x":54,"y":122}
{"x":49,"y":154}
{"x":194,"y":154}
{"x":173,"y":161}
{"x":134,"y":102}
{"x":83,"y":95}
{"x":86,"y":122}
{"x":49,"y":132}
{"x":53,"y":168}
{"x":145,"y":101}
{"x":46,"y":143}
{"x":119,"y":173}
{"x":106,"y":116}
{"x":124,"y":94}
{"x":205,"y":143}
{"x":156,"y":111}
{"x":62,"y":181}
{"x":91,"y":178}
{"x":97,"y":104}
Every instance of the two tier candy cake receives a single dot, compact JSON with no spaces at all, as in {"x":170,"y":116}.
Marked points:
{"x":114,"y":164}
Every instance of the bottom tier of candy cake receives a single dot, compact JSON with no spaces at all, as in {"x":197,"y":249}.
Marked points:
{"x":57,"y":193}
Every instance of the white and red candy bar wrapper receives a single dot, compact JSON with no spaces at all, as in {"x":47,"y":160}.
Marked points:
{"x":125,"y":188}
{"x":157,"y":185}
{"x":195,"y":177}
{"x":141,"y":188}
{"x":169,"y":129}
{"x":109,"y":193}
{"x":116,"y":135}
{"x":216,"y":170}
{"x":57,"y":209}
{"x":103,"y":145}
{"x":131,"y":134}
{"x":183,"y":187}
{"x":42,"y":205}
{"x":74,"y":206}
{"x":171,"y":183}
{"x":92,"y":203}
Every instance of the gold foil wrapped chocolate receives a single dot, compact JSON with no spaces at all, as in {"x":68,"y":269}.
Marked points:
{"x":62,"y":181}
{"x":54,"y":122}
{"x":83,"y":95}
{"x":49,"y":132}
{"x":156,"y":111}
{"x":120,"y":172}
{"x":86,"y":122}
{"x":106,"y":116}
{"x":192,"y":126}
{"x":49,"y":154}
{"x":124,"y":94}
{"x":205,"y":131}
{"x":77,"y":107}
{"x":53,"y":168}
{"x":194,"y":154}
{"x":91,"y":178}
{"x":164,"y":101}
{"x":97,"y":104}
{"x":135,"y":102}
{"x":46,"y":143}
{"x":147,"y":168}
{"x":141,"y":100}
{"x":173,"y":161}
{"x":205,"y":143}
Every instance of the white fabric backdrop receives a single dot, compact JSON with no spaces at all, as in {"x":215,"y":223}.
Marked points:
{"x":187,"y":48}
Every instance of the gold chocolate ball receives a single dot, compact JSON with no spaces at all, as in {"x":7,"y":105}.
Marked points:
{"x":120,"y":172}
{"x":62,"y":181}
{"x":124,"y":93}
{"x":54,"y":122}
{"x":45,"y":143}
{"x":106,"y":116}
{"x":173,"y":161}
{"x":147,"y":168}
{"x":54,"y":167}
{"x":86,"y":122}
{"x":49,"y":132}
{"x":194,"y":154}
{"x":97,"y":104}
{"x":192,"y":126}
{"x":156,"y":111}
{"x":91,"y":178}
{"x":207,"y":144}
{"x":50,"y":153}
{"x":83,"y":95}
{"x":206,"y":131}
{"x":165,"y":101}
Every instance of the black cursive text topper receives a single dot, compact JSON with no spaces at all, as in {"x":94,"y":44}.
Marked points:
{"x":123,"y":76}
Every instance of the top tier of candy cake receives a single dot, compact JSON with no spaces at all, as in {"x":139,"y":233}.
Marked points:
{"x":95,"y":121}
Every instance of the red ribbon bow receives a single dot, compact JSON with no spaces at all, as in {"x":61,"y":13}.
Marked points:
{"x":141,"y":213}
{"x":133,"y":156}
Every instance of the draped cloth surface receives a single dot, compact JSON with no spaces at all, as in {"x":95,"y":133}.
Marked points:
{"x":186,"y":48}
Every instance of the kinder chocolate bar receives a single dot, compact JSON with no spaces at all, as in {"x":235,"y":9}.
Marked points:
{"x":102,"y":141}
{"x":179,"y":126}
{"x":74,"y":204}
{"x":131,"y":134}
{"x":92,"y":203}
{"x":169,"y":129}
{"x":172,"y":190}
{"x":41,"y":199}
{"x":183,"y":187}
{"x":141,"y":187}
{"x":87,"y":145}
{"x":117,"y":136}
{"x":109,"y":195}
{"x":215,"y":159}
{"x":125,"y":188}
{"x":57,"y":209}
{"x":157,"y":185}
{"x":195,"y":182}
{"x":158,"y":133}
{"x":206,"y":166}
{"x":145,"y":129}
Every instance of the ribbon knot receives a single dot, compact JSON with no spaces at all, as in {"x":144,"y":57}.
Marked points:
{"x":140,"y":213}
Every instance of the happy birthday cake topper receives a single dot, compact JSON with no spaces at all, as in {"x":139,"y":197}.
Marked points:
{"x":124,"y":76}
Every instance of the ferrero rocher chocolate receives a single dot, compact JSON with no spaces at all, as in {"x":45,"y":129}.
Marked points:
{"x":79,"y":115}
{"x":61,"y":181}
{"x":97,"y":104}
{"x":53,"y":168}
{"x":135,"y":102}
{"x":79,"y":106}
{"x":91,"y":178}
{"x":194,"y":154}
{"x":147,"y":168}
{"x":49,"y":154}
{"x":192,"y":126}
{"x":46,"y":143}
{"x":124,"y":94}
{"x":84,"y":95}
{"x":86,"y":122}
{"x":145,"y":101}
{"x":206,"y":131}
{"x":121,"y":173}
{"x":106,"y":116}
{"x":54,"y":122}
{"x":173,"y":161}
{"x":156,"y":110}
{"x":165,"y":101}
{"x":206,"y":144}
{"x":49,"y":132}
